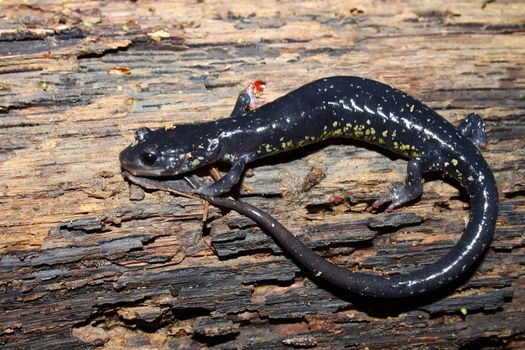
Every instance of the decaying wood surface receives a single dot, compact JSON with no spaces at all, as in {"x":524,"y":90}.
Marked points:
{"x":83,"y":266}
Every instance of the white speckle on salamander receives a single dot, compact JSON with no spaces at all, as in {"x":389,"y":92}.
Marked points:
{"x":355,"y":106}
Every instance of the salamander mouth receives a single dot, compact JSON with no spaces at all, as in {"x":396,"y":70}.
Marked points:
{"x":142,"y":172}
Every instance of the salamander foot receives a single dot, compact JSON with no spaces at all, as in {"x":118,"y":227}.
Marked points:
{"x":408,"y":191}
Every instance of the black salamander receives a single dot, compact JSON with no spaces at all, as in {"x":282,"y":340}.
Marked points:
{"x":327,"y":108}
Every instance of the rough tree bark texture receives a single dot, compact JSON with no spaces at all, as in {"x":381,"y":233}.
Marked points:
{"x":82,"y":265}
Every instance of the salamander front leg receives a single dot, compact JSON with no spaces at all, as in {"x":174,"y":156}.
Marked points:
{"x":225,"y":183}
{"x":403,"y":193}
{"x":249,"y":98}
{"x":473,"y":128}
{"x":241,"y":106}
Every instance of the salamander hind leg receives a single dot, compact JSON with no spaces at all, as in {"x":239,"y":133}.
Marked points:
{"x":473,"y":128}
{"x":409,"y":190}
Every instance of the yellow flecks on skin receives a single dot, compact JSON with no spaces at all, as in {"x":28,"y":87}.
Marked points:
{"x":381,"y":140}
{"x":335,"y":124}
{"x":305,"y":141}
{"x":289,"y":144}
{"x":358,"y":131}
{"x":268,"y":148}
{"x":325,"y":127}
{"x":454,"y":162}
{"x":195,"y":163}
{"x":200,"y":158}
{"x":394,"y":145}
{"x":394,"y":133}
{"x":370,"y":131}
{"x":170,"y":127}
{"x":446,"y":164}
{"x":385,"y":133}
{"x":337,"y":132}
{"x":470,"y":178}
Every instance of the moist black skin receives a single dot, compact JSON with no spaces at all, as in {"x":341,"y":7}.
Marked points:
{"x":327,"y":108}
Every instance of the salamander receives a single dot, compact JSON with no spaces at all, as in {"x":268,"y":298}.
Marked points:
{"x":334,"y":107}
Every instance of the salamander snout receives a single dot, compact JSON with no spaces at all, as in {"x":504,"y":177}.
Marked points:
{"x":126,"y":161}
{"x":140,"y":161}
{"x":148,"y":159}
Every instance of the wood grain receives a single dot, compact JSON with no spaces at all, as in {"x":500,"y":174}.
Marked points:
{"x":83,"y":266}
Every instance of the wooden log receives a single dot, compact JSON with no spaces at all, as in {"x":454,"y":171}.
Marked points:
{"x":83,"y":266}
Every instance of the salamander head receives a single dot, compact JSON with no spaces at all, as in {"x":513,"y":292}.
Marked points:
{"x":165,"y":152}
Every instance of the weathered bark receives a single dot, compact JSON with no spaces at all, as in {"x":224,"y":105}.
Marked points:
{"x":82,"y":265}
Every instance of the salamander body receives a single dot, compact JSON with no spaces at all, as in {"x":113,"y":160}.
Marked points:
{"x":340,"y":107}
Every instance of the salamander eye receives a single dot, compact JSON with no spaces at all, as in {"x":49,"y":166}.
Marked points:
{"x":148,"y":158}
